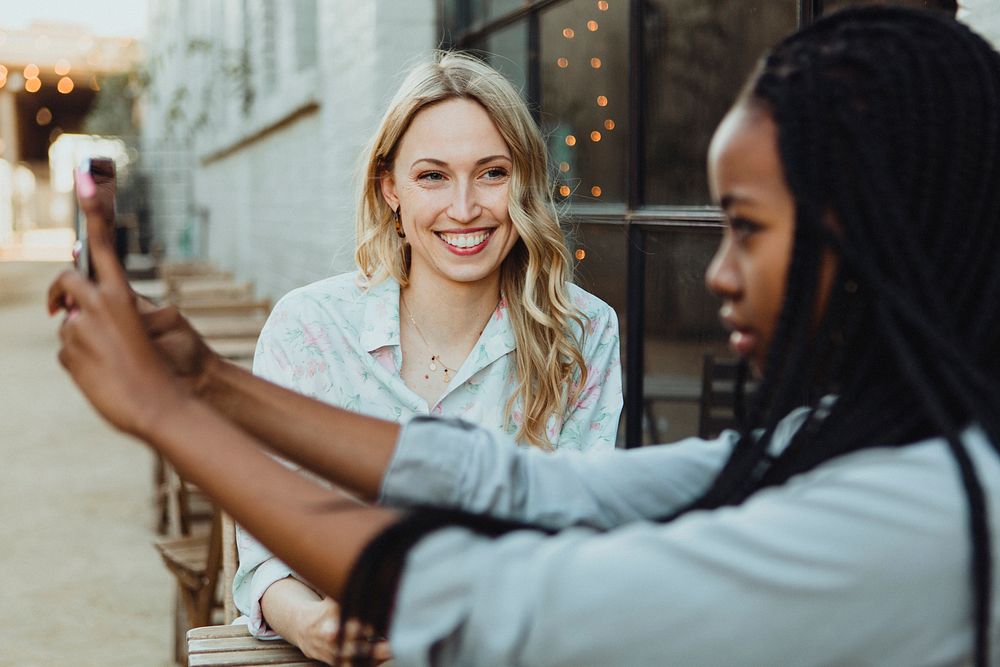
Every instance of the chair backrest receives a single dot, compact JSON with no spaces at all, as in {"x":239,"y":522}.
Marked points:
{"x":718,"y":410}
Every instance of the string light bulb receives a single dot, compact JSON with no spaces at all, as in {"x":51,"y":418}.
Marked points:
{"x":592,"y":25}
{"x":595,"y":63}
{"x":602,"y":101}
{"x":596,"y":191}
{"x":569,"y":33}
{"x":562,"y":62}
{"x":570,"y":140}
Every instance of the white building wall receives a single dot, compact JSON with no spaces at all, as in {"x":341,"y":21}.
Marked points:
{"x":271,"y":194}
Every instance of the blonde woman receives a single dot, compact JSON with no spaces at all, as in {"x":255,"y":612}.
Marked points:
{"x":462,"y":305}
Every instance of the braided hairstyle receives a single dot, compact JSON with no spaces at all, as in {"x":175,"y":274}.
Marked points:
{"x":888,"y":119}
{"x":888,"y":123}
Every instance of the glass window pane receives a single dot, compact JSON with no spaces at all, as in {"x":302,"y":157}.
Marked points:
{"x":682,"y":325}
{"x":600,"y":253}
{"x":584,"y":96}
{"x":697,"y":55}
{"x":506,"y":51}
{"x":461,"y":15}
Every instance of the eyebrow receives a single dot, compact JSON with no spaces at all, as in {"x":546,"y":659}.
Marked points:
{"x":442,"y":163}
{"x":729,"y":200}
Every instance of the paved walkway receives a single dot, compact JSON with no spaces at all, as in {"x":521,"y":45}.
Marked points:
{"x":80,"y":582}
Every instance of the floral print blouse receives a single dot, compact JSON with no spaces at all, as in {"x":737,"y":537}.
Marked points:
{"x":339,"y":343}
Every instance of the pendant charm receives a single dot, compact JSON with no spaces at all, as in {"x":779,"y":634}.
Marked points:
{"x":446,"y":378}
{"x":433,"y":365}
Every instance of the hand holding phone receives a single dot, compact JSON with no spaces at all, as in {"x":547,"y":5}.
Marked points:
{"x":101,"y":172}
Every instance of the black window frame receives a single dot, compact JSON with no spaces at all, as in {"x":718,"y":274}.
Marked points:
{"x":636,"y":217}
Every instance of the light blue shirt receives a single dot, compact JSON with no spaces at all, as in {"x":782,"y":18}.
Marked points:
{"x":865,"y":560}
{"x":338,"y":343}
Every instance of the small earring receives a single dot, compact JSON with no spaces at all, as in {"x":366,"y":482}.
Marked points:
{"x":399,"y":222}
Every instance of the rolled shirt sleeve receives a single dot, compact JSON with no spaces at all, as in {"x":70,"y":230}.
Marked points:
{"x":449,"y":463}
{"x":864,"y":560}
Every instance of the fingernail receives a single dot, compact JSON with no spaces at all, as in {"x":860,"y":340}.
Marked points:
{"x":85,"y":184}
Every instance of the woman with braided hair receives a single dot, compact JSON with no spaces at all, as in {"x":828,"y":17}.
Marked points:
{"x":854,"y":521}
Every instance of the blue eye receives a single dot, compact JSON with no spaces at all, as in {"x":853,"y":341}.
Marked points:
{"x":431,"y":176}
{"x":496,"y":173}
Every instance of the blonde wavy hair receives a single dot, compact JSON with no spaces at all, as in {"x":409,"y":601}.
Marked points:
{"x":548,"y":329}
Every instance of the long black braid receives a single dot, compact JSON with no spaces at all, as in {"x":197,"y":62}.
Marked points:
{"x":888,"y":119}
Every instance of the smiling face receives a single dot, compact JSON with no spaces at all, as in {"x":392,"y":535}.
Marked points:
{"x":450,"y":178}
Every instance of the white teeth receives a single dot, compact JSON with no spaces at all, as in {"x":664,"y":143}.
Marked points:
{"x":464,"y":240}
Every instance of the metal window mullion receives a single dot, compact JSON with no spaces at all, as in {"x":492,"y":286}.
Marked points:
{"x":635,"y":294}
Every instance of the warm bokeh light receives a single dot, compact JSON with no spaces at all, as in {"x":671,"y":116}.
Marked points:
{"x":3,"y":72}
{"x":562,"y":62}
{"x":596,"y":191}
{"x":564,"y":167}
{"x":595,"y":136}
{"x":580,"y":254}
{"x":592,"y":25}
{"x":602,"y":101}
{"x":609,"y":124}
{"x":31,"y":71}
{"x":570,"y":140}
{"x":33,"y":85}
{"x":595,"y":63}
{"x":62,"y":67}
{"x":65,"y":85}
{"x":44,"y":116}
{"x":564,"y":190}
{"x":602,"y":5}
{"x":568,"y":33}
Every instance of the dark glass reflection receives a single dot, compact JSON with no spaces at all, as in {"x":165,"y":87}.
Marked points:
{"x":682,"y":326}
{"x":506,"y":51}
{"x":584,"y":97}
{"x":461,"y":15}
{"x":697,"y":55}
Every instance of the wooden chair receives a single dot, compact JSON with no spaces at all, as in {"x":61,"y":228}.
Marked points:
{"x":191,"y":292}
{"x":232,"y":646}
{"x":718,"y":410}
{"x":194,"y":554}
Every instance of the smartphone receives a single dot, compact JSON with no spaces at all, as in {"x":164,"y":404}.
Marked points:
{"x":102,"y":170}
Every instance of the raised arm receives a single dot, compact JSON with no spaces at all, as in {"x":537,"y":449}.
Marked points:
{"x":349,"y":449}
{"x":106,"y":349}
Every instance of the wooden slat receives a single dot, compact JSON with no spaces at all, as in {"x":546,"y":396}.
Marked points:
{"x":218,"y":631}
{"x":229,"y":326}
{"x":264,"y":656}
{"x":222,"y":644}
{"x":228,"y":307}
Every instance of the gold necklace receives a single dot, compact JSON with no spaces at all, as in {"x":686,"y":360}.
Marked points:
{"x":435,"y":358}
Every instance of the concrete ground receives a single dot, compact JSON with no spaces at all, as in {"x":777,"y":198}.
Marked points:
{"x":80,"y":582}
